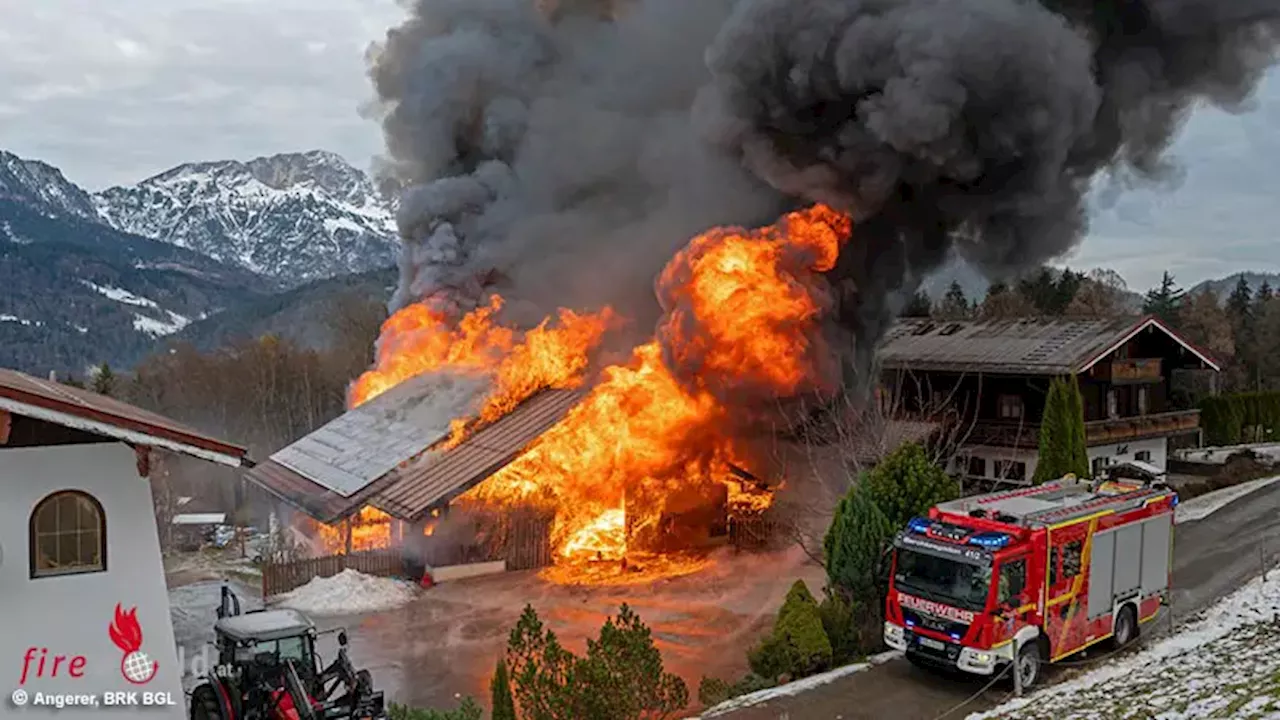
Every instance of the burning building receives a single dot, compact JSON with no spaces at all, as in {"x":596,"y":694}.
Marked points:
{"x":839,"y":150}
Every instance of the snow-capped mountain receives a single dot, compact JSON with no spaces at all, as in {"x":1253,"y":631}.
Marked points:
{"x":293,"y":217}
{"x":78,"y":291}
{"x":36,"y":183}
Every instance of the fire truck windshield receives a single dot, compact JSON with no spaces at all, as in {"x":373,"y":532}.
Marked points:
{"x":943,"y":580}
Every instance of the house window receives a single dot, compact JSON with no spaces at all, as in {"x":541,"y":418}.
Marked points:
{"x":1142,"y":401}
{"x":1142,"y":456}
{"x":1011,"y":470}
{"x":977,"y":466}
{"x":1113,"y":404}
{"x":1010,"y":407}
{"x":68,"y":534}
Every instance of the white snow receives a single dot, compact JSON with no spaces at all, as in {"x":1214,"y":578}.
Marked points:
{"x":349,"y":593}
{"x":121,"y":295}
{"x":1199,"y":508}
{"x":1219,"y":455}
{"x":797,"y":687}
{"x":156,"y":327}
{"x":15,"y":319}
{"x":1225,"y":659}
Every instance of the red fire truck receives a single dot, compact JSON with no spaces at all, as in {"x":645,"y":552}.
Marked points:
{"x":1030,"y":575}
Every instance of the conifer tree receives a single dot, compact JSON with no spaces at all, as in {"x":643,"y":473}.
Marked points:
{"x":504,"y":706}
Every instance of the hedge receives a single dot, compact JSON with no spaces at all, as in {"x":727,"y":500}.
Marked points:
{"x":1233,"y":419}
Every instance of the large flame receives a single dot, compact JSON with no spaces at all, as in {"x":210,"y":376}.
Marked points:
{"x":742,"y":310}
{"x":371,"y":529}
{"x":656,"y":437}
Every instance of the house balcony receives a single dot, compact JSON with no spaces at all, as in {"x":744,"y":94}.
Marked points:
{"x":1097,"y":432}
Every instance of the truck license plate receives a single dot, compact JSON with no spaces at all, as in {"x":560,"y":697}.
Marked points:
{"x":932,"y":644}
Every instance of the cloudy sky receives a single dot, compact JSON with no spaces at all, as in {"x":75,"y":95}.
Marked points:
{"x":113,"y":91}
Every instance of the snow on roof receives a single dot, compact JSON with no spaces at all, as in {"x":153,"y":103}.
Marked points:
{"x":264,"y":625}
{"x":199,"y":519}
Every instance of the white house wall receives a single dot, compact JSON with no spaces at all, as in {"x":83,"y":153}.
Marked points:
{"x":70,"y":615}
{"x":1115,"y":453}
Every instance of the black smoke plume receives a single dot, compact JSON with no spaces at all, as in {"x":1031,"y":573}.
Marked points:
{"x":974,"y":126}
{"x":576,"y":148}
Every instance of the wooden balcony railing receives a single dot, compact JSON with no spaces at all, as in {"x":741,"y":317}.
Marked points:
{"x":1097,"y":432}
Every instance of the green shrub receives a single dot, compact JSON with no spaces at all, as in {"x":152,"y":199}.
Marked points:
{"x":855,"y":544}
{"x":798,"y":645}
{"x":1240,"y":418}
{"x":1063,"y":449}
{"x":620,"y":678}
{"x":906,"y":483}
{"x":504,"y":707}
{"x":712,"y":691}
{"x":839,"y":624}
{"x":468,"y":710}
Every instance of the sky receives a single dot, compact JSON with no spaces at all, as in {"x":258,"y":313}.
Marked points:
{"x":114,"y":91}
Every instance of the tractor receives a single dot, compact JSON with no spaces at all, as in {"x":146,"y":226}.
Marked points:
{"x":268,"y":669}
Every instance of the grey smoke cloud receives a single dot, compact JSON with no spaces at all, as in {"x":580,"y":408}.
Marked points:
{"x":973,"y":125}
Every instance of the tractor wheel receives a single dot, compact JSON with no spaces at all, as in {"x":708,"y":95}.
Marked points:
{"x":205,"y":705}
{"x":1126,"y":629}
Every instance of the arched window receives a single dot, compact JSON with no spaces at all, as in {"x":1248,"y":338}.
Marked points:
{"x":68,"y":535}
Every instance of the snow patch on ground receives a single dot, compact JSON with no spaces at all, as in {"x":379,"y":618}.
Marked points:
{"x":157,"y":328}
{"x":15,"y":319}
{"x":1199,"y":508}
{"x":349,"y":593}
{"x":1224,"y":663}
{"x":121,"y":295}
{"x":797,"y":687}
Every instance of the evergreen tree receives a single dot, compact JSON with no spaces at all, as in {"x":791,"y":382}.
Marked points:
{"x":854,"y":545}
{"x":104,"y":380}
{"x":1062,"y":434}
{"x":954,"y":305}
{"x":906,"y":483}
{"x":920,"y":306}
{"x":1165,"y":301}
{"x":1265,"y":293}
{"x":504,"y":706}
{"x":1240,"y":302}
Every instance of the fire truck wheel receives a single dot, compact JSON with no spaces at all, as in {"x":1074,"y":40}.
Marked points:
{"x":1028,"y":665}
{"x":1126,"y":627}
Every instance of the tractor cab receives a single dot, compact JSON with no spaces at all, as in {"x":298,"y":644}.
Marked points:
{"x":268,"y":669}
{"x":261,"y":643}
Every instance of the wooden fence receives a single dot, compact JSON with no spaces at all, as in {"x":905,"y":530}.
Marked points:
{"x":283,"y":576}
{"x":755,"y":532}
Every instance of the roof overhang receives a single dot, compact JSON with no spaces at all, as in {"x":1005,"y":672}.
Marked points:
{"x":228,"y":455}
{"x":1144,"y":324}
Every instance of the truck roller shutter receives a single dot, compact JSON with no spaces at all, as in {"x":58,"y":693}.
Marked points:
{"x":1101,"y":566}
{"x":1128,"y":578}
{"x":1156,"y":535}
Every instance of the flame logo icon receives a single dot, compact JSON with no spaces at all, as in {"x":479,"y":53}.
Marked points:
{"x":126,"y":633}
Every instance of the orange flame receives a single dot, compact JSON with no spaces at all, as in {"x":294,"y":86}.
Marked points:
{"x":370,"y":530}
{"x":642,"y":434}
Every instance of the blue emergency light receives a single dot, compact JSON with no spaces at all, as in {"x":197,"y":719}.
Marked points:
{"x":990,"y":540}
{"x":919,"y":525}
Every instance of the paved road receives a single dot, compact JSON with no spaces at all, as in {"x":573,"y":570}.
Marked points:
{"x":1212,"y":557}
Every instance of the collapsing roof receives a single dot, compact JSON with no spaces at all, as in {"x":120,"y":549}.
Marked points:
{"x":59,"y":404}
{"x":1033,"y":346}
{"x":380,"y":453}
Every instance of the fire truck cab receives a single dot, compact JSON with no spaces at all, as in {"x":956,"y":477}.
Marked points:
{"x":1030,"y":575}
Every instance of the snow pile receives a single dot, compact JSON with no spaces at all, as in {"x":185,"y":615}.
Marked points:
{"x":349,"y":593}
{"x":1198,"y":508}
{"x":1223,"y":664}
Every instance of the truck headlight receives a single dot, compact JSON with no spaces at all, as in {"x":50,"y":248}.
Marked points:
{"x":983,"y":658}
{"x":893,"y":634}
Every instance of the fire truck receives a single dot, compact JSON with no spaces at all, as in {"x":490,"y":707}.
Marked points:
{"x":1030,"y":575}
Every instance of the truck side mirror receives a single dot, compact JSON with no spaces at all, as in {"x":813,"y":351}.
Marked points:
{"x":342,"y":638}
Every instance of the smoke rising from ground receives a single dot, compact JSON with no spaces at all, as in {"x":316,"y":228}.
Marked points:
{"x":967,"y":125}
{"x":575,"y":153}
